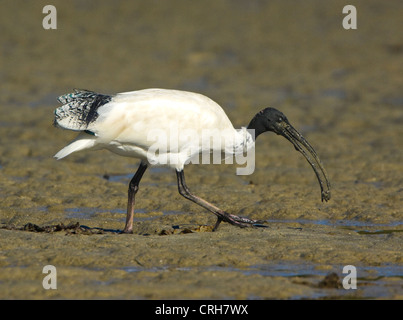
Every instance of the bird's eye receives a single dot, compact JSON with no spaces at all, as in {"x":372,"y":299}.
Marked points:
{"x":280,"y":119}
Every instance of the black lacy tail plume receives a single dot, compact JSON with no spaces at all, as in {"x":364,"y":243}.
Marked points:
{"x":79,"y":109}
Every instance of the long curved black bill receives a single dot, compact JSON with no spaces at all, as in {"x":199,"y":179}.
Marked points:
{"x":303,"y":146}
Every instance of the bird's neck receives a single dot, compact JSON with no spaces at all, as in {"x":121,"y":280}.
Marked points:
{"x":257,"y":125}
{"x":244,"y":141}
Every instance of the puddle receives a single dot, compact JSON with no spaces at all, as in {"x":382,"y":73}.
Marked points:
{"x":118,"y":177}
{"x":352,"y":225}
{"x":140,"y":269}
{"x":307,"y":270}
{"x":80,"y":213}
{"x":88,"y":212}
{"x":284,"y":269}
{"x":368,"y":232}
{"x":126,"y":177}
{"x":372,"y":281}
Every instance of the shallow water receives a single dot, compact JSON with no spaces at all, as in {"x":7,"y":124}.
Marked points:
{"x":340,"y":88}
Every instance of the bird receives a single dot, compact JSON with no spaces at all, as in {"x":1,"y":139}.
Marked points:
{"x":124,"y":122}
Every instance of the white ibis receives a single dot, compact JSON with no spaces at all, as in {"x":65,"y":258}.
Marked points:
{"x":122,"y":123}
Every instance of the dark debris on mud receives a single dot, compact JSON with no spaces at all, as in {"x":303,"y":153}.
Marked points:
{"x":184,"y":230}
{"x":76,"y":228}
{"x":71,"y":228}
{"x":332,"y":280}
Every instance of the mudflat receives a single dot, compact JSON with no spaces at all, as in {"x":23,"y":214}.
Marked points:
{"x":340,"y":88}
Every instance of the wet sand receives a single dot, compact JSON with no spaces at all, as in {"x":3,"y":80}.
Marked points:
{"x":340,"y":88}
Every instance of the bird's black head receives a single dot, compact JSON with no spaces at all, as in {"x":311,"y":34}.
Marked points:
{"x":271,"y":119}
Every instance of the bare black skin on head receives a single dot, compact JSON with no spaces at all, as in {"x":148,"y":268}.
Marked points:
{"x":267,"y":119}
{"x":271,"y":119}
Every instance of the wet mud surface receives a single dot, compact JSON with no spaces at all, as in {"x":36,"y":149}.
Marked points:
{"x":340,"y":88}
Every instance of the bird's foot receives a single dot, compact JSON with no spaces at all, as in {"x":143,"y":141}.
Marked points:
{"x":241,"y":222}
{"x":126,"y":231}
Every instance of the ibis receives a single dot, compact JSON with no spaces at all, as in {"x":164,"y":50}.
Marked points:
{"x":128,"y":124}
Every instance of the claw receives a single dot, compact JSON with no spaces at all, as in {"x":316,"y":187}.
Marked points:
{"x":241,"y":222}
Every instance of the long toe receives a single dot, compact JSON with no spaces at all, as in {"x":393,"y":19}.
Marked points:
{"x":242,"y":222}
{"x":245,"y":220}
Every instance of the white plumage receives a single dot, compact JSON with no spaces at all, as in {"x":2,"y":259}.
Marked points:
{"x":127,"y":123}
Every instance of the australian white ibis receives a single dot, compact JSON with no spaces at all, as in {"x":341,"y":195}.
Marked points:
{"x":123,"y":123}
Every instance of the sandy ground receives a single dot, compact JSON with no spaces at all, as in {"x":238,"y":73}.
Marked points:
{"x":341,"y":88}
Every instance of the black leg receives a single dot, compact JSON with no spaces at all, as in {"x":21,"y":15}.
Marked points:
{"x":133,"y":188}
{"x":221,"y":215}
